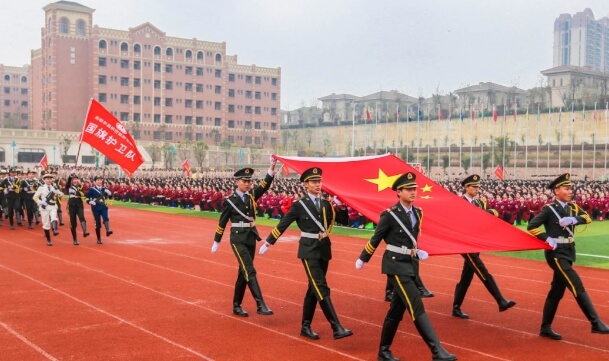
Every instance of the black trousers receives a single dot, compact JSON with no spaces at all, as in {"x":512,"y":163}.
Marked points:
{"x":74,"y":211}
{"x":409,"y":298}
{"x":564,"y":277}
{"x":245,"y":257}
{"x":316,"y":270}
{"x":472,"y":265}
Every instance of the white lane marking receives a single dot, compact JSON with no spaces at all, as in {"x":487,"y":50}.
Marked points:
{"x":27,"y":342}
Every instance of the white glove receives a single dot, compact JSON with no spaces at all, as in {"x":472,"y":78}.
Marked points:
{"x":72,"y":191}
{"x":25,"y":189}
{"x":359,"y":264}
{"x":215,"y":247}
{"x":264,"y":248}
{"x":5,"y":191}
{"x":108,"y":192}
{"x":552,"y":242}
{"x":92,"y":203}
{"x":422,"y":255}
{"x":73,"y":171}
{"x":57,"y":192}
{"x":272,"y":161}
{"x":43,"y":204}
{"x":567,"y":221}
{"x":10,"y":188}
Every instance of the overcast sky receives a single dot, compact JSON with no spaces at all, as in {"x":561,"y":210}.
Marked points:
{"x":342,"y":46}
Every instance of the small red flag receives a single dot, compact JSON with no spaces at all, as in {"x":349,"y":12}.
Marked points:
{"x":440,"y":117}
{"x":44,"y":163}
{"x":368,"y":117}
{"x":473,"y":115}
{"x":494,"y":114}
{"x":499,"y":172}
{"x":514,"y":114}
{"x":186,"y":166}
{"x":451,"y":225}
{"x":108,"y":135}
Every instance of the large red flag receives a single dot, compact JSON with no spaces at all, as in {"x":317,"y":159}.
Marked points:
{"x":499,"y":172}
{"x":186,"y":166}
{"x":450,"y":224}
{"x":44,"y":163}
{"x":108,"y":135}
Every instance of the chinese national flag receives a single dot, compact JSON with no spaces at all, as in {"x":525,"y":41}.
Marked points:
{"x":285,"y":170}
{"x":499,"y":172}
{"x":440,"y":117}
{"x":368,"y":117}
{"x":186,"y":166}
{"x":494,"y":114}
{"x":450,"y":224}
{"x":108,"y":135}
{"x":44,"y":163}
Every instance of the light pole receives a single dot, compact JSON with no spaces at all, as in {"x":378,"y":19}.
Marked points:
{"x":54,"y":149}
{"x":13,"y":144}
{"x":171,"y":152}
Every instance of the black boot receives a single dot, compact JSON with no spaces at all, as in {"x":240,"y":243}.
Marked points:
{"x":30,"y":225}
{"x":74,"y":240}
{"x":458,"y":300}
{"x":549,"y":310}
{"x":424,"y":292}
{"x":47,"y":235}
{"x":98,"y":234}
{"x":108,"y":231}
{"x":238,"y":298}
{"x":492,"y":287}
{"x":546,"y":331}
{"x":37,"y":217}
{"x":54,"y":227}
{"x":257,"y":294}
{"x":12,"y":223}
{"x":585,"y":304}
{"x":60,"y":216}
{"x":83,"y":224}
{"x":328,"y":308}
{"x":19,"y":223}
{"x":427,"y":332}
{"x":308,"y":311}
{"x":390,"y":327}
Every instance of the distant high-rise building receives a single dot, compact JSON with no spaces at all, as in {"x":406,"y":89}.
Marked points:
{"x":15,"y":96}
{"x":580,"y":40}
{"x":163,"y":88}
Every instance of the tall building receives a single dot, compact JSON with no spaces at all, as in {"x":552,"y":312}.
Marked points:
{"x":15,"y":96}
{"x":164,"y":88}
{"x":579,"y":40}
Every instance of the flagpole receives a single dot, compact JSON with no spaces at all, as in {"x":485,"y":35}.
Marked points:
{"x":376,"y":123}
{"x":461,"y":134}
{"x":407,"y":118}
{"x":469,"y":139}
{"x":572,"y":136}
{"x":606,"y":140}
{"x":353,"y":132}
{"x":526,"y":146}
{"x":493,"y":139}
{"x":594,"y":146}
{"x":583,"y":132}
{"x":515,"y":136}
{"x":418,"y":131}
{"x":504,"y":140}
{"x":386,"y":127}
{"x":428,"y":141}
{"x":549,"y":119}
{"x":397,"y":127}
{"x":537,"y":140}
{"x":448,"y":138}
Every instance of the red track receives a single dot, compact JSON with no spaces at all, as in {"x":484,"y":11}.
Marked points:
{"x":153,"y":291}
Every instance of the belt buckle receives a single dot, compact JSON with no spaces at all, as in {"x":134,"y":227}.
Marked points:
{"x":570,"y":238}
{"x":320,"y":236}
{"x":413,"y":252}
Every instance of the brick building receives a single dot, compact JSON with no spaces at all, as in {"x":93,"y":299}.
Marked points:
{"x":163,"y":88}
{"x":15,"y":96}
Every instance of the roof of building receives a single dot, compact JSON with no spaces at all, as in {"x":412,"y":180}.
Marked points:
{"x":486,"y":86}
{"x":574,"y":69}
{"x":339,"y":97}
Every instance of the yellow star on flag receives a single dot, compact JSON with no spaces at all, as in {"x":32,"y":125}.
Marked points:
{"x":427,"y":188}
{"x":384,"y":181}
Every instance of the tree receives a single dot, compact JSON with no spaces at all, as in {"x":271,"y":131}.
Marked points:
{"x":327,"y":144}
{"x":166,"y":149}
{"x":184,"y":149}
{"x":200,"y":151}
{"x":466,"y":162}
{"x":502,"y":145}
{"x":155,"y":153}
{"x":486,"y":161}
{"x":226,"y":147}
{"x":64,"y":148}
{"x":215,"y":133}
{"x":254,"y":153}
{"x":308,"y":136}
{"x":285,"y":137}
{"x":445,"y":162}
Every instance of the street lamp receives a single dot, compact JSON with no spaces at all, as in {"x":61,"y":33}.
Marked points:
{"x":54,"y":149}
{"x":172,"y":150}
{"x":13,"y":144}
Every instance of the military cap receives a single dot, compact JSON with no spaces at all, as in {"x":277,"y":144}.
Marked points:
{"x":12,"y":170}
{"x":54,"y":171}
{"x":562,"y":180}
{"x":311,"y":174}
{"x":47,"y":175}
{"x":472,"y":180}
{"x":97,"y":177}
{"x":406,"y":180}
{"x":3,"y":171}
{"x":245,"y":173}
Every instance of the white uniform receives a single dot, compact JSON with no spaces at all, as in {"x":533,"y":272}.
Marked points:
{"x":48,"y":213}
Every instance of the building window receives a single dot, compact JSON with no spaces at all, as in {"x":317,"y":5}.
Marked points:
{"x":188,"y":87}
{"x":231,"y":93}
{"x":168,"y":102}
{"x":248,"y":79}
{"x":137,"y":99}
{"x":168,"y":136}
{"x":168,"y":68}
{"x":199,"y":88}
{"x":248,"y":110}
{"x":188,"y":119}
{"x":157,"y":118}
{"x":168,"y":85}
{"x":136,"y":117}
{"x":231,"y":77}
{"x":157,"y":67}
{"x":137,"y":48}
{"x":257,"y":125}
{"x":64,"y":25}
{"x":188,"y":54}
{"x":273,"y":111}
{"x":157,"y":101}
{"x":124,"y":47}
{"x":218,"y":73}
{"x":102,"y":97}
{"x":124,"y":117}
{"x":231,"y":108}
{"x":188,"y":70}
{"x":248,"y":94}
{"x":273,"y":127}
{"x":217,"y":106}
{"x":80,"y":27}
{"x":124,"y":99}
{"x":124,"y":81}
{"x":157,"y":50}
{"x":157,"y":84}
{"x":274,"y":81}
{"x":199,"y":120}
{"x":217,"y":122}
{"x":168,"y":119}
{"x":137,"y":65}
{"x":102,"y":79}
{"x":258,"y":80}
{"x":199,"y":71}
{"x":169,"y":52}
{"x":218,"y":58}
{"x":102,"y":61}
{"x":257,"y":110}
{"x":103,"y":44}
{"x":188,"y":103}
{"x":199,"y":104}
{"x":273,"y":96}
{"x":231,"y":123}
{"x":257,"y":95}
{"x":24,"y":91}
{"x":137,"y":82}
{"x":199,"y":136}
{"x":218,"y":89}
{"x":199,"y":55}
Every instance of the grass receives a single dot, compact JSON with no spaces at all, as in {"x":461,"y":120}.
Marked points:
{"x":592,"y":245}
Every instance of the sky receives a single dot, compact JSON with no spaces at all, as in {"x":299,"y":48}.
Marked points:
{"x":358,"y":47}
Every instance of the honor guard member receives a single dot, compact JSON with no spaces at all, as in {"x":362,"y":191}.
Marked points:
{"x":400,"y":226}
{"x":57,"y":184}
{"x":30,"y":186}
{"x":315,"y":218}
{"x":97,"y":197}
{"x":75,"y":205}
{"x":472,"y":263}
{"x":45,"y":197}
{"x":559,"y":219}
{"x":240,"y":209}
{"x":3,"y":176}
{"x":11,"y":188}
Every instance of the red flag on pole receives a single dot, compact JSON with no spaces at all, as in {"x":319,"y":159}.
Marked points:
{"x":451,"y":224}
{"x":440,"y":117}
{"x":494,"y":114}
{"x":368,"y":117}
{"x":499,"y":172}
{"x":186,"y":166}
{"x":44,"y":163}
{"x":473,"y":115}
{"x":108,"y":135}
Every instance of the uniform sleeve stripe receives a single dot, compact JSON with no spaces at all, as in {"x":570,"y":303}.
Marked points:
{"x":369,"y":248}
{"x":275,"y":232}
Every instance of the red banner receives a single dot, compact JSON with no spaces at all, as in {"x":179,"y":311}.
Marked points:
{"x":186,"y":166}
{"x":451,"y":225}
{"x":44,"y":163}
{"x":499,"y":172}
{"x":108,"y":135}
{"x":285,"y":170}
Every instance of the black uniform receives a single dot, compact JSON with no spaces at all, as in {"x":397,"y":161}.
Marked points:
{"x":243,"y":238}
{"x":12,"y":187}
{"x":473,"y":265}
{"x":30,"y":186}
{"x":315,"y":253}
{"x":76,"y":208}
{"x":561,"y":262}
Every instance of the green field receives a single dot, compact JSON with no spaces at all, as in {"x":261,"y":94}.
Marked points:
{"x":592,"y":245}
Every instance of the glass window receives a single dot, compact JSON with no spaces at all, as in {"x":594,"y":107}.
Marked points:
{"x":64,"y":25}
{"x":124,"y":47}
{"x":80,"y":27}
{"x":103,"y":44}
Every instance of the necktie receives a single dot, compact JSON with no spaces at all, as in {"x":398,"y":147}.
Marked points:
{"x":49,"y":188}
{"x":318,"y":204}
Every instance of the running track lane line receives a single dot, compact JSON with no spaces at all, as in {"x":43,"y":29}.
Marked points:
{"x":162,"y":294}
{"x":187,"y":349}
{"x":27,"y":342}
